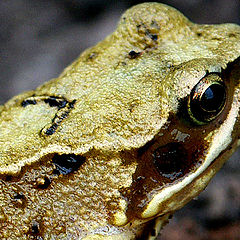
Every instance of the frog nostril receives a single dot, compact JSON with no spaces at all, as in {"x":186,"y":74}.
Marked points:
{"x":67,"y":163}
{"x":170,"y":160}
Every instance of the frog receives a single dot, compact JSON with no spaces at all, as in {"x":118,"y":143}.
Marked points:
{"x":129,"y":133}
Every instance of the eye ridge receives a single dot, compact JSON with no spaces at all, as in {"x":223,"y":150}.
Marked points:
{"x":207,"y":99}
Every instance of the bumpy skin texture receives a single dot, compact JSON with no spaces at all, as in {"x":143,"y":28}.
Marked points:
{"x":117,"y":107}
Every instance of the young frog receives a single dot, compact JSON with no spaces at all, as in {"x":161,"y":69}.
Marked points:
{"x":130,"y":132}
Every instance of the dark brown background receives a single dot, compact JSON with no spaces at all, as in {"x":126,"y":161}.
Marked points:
{"x":39,"y":38}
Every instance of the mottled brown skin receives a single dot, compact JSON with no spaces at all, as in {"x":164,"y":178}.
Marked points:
{"x":111,"y":148}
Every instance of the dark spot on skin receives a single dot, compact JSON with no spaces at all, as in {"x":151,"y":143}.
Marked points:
{"x":28,"y":102}
{"x":19,"y":196}
{"x":232,"y":35}
{"x":52,"y":101}
{"x":51,"y":130}
{"x":56,"y":121}
{"x":132,"y":54}
{"x":92,"y":55}
{"x":43,"y":183}
{"x":199,"y":34}
{"x":71,"y":104}
{"x":170,"y":160}
{"x":170,"y":65}
{"x":56,"y":102}
{"x":138,"y":26}
{"x":63,"y":116}
{"x":35,"y":228}
{"x":19,"y":199}
{"x":67,"y":163}
{"x":154,"y":37}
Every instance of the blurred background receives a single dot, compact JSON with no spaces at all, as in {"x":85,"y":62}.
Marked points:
{"x":39,"y":38}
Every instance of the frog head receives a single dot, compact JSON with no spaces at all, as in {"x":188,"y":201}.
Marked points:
{"x":129,"y":133}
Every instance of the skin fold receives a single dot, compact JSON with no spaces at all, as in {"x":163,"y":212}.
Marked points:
{"x":129,"y":132}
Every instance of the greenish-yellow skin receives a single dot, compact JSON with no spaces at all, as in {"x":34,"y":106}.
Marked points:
{"x":124,"y":99}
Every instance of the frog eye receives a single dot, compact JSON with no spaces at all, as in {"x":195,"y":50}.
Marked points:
{"x":207,"y":99}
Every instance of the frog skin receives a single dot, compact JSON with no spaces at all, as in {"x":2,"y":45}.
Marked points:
{"x":129,"y":133}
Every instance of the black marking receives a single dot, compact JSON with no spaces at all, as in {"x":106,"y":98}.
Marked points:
{"x":154,"y":37}
{"x":132,"y":54}
{"x":71,"y":104}
{"x":58,"y":118}
{"x":19,"y":196}
{"x":44,"y":183}
{"x":28,"y":102}
{"x":92,"y":55}
{"x":51,"y":130}
{"x":63,"y":106}
{"x":56,"y":102}
{"x":56,"y":122}
{"x":67,"y":163}
{"x":19,"y":200}
{"x":35,"y":228}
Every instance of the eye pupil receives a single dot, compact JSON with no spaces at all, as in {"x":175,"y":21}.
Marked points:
{"x":207,"y":99}
{"x":213,"y":98}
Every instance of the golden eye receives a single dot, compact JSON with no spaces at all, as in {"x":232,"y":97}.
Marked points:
{"x":207,"y":99}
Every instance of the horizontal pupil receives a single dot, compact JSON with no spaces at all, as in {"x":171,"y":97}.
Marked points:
{"x":213,"y":98}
